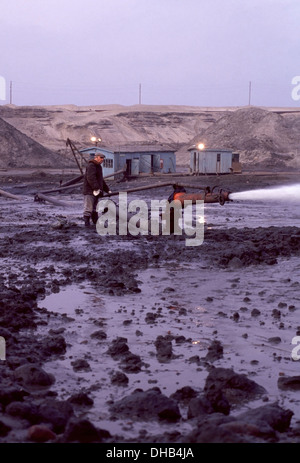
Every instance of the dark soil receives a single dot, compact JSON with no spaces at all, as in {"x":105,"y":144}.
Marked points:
{"x":170,"y":343}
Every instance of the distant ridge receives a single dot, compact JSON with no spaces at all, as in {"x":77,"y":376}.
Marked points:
{"x":263,"y":136}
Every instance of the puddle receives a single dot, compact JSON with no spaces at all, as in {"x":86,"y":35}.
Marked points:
{"x":211,"y":299}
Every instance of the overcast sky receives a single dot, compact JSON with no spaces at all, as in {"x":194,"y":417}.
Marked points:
{"x":181,"y":52}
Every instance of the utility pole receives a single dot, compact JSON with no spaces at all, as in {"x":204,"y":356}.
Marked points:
{"x":10,"y":92}
{"x":140,"y":93}
{"x":249,"y":93}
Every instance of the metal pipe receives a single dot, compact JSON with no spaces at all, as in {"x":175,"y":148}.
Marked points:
{"x":9,"y":195}
{"x":40,"y":196}
{"x":72,"y":181}
{"x":142,"y":188}
{"x":206,"y":196}
{"x":75,"y":183}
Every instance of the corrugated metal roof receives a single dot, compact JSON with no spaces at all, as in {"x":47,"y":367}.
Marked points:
{"x":132,"y":149}
{"x":143,"y":149}
{"x":95,"y":148}
{"x":210,"y":150}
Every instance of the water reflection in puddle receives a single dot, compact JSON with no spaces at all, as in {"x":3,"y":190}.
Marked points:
{"x":70,"y":300}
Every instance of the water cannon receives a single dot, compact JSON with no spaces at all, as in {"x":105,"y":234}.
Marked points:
{"x":207,"y":194}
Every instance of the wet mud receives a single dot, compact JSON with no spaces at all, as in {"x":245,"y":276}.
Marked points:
{"x":142,"y":338}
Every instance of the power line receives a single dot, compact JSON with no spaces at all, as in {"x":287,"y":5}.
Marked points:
{"x":194,"y":93}
{"x":249,"y":102}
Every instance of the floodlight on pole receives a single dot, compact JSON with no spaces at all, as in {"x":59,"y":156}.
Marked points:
{"x":96,"y":140}
{"x":200,"y":146}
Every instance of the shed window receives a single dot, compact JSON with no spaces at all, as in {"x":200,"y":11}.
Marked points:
{"x":109,"y":163}
{"x":218,"y":157}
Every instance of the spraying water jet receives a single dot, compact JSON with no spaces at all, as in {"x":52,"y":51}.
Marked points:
{"x":287,"y":193}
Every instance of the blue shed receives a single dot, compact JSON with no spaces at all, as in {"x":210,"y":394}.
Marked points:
{"x":135,"y":160}
{"x":210,"y":161}
{"x":145,"y":160}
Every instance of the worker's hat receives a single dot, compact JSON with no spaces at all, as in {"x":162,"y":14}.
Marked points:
{"x":97,"y":153}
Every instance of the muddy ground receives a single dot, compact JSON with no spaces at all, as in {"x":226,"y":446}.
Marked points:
{"x":143,"y":338}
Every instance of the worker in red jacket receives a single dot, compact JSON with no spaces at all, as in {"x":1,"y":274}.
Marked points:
{"x":93,"y":187}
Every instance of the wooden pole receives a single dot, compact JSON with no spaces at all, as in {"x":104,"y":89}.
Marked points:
{"x":74,"y":149}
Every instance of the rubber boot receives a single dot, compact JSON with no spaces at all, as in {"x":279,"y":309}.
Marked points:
{"x":95,"y":217}
{"x":86,"y":221}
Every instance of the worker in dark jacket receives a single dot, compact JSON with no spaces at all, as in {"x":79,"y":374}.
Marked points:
{"x":93,"y":187}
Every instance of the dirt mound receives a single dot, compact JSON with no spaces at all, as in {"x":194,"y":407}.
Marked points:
{"x":263,"y":138}
{"x":19,"y":150}
{"x":117,"y":126}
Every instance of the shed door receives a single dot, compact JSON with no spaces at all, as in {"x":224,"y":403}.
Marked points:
{"x":135,"y":166}
{"x":145,"y":163}
{"x":218,"y":166}
{"x":172,"y":164}
{"x":195,"y":162}
{"x":155,"y":162}
{"x":128,"y":166}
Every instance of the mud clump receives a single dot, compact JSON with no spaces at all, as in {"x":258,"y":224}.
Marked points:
{"x":164,"y":351}
{"x":291,"y":383}
{"x":83,"y":431}
{"x":147,"y":405}
{"x":17,"y":307}
{"x":40,"y":433}
{"x":100,"y":335}
{"x":184,"y":395}
{"x":129,"y":362}
{"x":268,"y":418}
{"x":118,"y":278}
{"x":81,"y":365}
{"x":56,"y":413}
{"x":53,"y":345}
{"x":4,"y":429}
{"x":118,"y":348}
{"x":252,"y":247}
{"x":235,"y":388}
{"x":30,"y":375}
{"x":215,"y":352}
{"x":260,"y":423}
{"x":119,"y":379}
{"x":200,"y":406}
{"x":81,"y":399}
